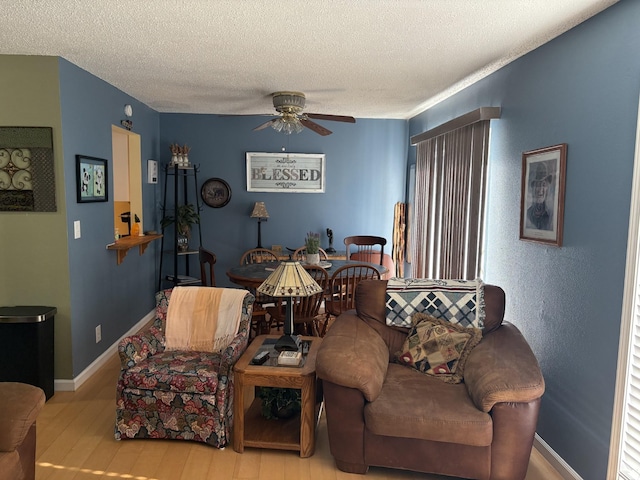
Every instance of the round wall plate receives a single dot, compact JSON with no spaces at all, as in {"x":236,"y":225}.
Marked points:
{"x":215,"y":192}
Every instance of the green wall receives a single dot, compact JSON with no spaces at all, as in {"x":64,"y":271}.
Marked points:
{"x":33,"y":246}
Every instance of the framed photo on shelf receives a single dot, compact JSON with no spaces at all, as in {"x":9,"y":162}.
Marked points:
{"x":91,"y":179}
{"x":285,"y":172}
{"x":542,"y":195}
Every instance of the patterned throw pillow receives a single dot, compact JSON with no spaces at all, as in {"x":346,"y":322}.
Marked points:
{"x":439,"y":348}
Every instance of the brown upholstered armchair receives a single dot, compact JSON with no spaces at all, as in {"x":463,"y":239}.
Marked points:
{"x":382,"y":413}
{"x":20,"y":405}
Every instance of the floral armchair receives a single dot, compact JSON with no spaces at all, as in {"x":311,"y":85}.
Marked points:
{"x":184,"y":395}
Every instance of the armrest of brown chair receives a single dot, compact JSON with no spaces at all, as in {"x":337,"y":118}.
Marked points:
{"x":20,"y":405}
{"x":353,"y":355}
{"x":503,"y":368}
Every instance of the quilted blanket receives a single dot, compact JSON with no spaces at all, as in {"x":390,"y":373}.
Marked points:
{"x":457,"y":301}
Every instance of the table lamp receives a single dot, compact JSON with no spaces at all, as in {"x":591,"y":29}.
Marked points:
{"x":290,"y":280}
{"x":260,"y":212}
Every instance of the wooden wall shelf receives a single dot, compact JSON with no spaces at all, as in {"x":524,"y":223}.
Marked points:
{"x":123,"y":245}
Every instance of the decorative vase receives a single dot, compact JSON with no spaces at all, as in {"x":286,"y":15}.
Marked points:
{"x":313,"y":258}
{"x":183,"y":243}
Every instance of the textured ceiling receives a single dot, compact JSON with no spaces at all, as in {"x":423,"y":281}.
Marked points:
{"x":368,"y":59}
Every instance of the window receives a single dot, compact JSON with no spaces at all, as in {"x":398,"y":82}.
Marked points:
{"x":451,"y":166}
{"x":624,"y":452}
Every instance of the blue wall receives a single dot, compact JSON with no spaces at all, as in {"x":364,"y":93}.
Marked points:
{"x":580,"y":89}
{"x":365,"y":177}
{"x":103,"y":293}
{"x":365,"y":167}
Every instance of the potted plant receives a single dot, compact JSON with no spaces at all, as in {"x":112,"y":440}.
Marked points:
{"x":187,"y":216}
{"x":312,"y":243}
{"x":280,"y":402}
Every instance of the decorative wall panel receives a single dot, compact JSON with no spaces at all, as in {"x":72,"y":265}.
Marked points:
{"x":27,"y":181}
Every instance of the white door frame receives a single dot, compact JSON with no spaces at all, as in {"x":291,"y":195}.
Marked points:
{"x":626,"y":322}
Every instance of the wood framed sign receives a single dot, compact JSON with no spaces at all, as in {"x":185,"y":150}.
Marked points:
{"x":285,"y":172}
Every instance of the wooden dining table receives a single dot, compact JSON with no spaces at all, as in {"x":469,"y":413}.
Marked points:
{"x":252,"y":275}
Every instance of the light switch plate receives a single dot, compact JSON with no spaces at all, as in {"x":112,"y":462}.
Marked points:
{"x":76,"y":229}
{"x":152,"y":171}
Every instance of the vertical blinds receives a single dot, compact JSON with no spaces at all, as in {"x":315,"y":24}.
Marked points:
{"x":629,"y":468}
{"x":624,"y":452}
{"x":449,"y":204}
{"x":629,"y":463}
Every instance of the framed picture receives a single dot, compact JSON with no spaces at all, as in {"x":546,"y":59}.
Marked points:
{"x":542,"y":197}
{"x":215,"y":192}
{"x":285,"y":172}
{"x":91,"y":179}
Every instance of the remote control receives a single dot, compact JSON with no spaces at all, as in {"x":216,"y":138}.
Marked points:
{"x":260,"y":358}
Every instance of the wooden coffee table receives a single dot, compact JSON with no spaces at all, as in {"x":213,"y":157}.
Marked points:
{"x":250,"y":428}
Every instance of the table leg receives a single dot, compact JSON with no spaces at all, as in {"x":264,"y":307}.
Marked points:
{"x":238,"y":413}
{"x":307,"y":417}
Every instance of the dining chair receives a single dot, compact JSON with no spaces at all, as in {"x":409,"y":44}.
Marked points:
{"x":341,"y":289}
{"x":258,"y":255}
{"x":207,"y":261}
{"x":387,"y":262}
{"x":300,"y":254}
{"x":364,"y":247}
{"x":306,"y":310}
{"x":259,"y":323}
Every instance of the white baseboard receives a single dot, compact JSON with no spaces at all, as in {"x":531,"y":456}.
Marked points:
{"x":62,"y":385}
{"x":556,"y":461}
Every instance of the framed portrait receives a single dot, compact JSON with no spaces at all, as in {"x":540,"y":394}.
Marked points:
{"x":91,"y":179}
{"x":285,"y":172}
{"x":542,"y":197}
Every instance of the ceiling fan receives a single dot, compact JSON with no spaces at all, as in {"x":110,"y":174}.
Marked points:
{"x":290,"y":106}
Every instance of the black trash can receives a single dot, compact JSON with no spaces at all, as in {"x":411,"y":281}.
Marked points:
{"x":26,"y":346}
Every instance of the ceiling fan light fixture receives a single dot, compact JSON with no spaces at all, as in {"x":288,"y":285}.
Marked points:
{"x":287,"y":124}
{"x":290,"y":106}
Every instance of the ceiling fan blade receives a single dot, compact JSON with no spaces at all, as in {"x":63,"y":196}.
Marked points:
{"x":319,"y":129}
{"x":245,"y":114}
{"x":334,"y":118}
{"x":265,"y":125}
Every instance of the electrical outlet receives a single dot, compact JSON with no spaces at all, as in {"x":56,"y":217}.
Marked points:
{"x":98,"y":333}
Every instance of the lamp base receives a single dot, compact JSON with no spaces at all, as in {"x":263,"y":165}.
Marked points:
{"x":288,"y":343}
{"x":330,"y":250}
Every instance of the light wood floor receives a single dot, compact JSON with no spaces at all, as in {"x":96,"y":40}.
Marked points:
{"x":75,"y":442}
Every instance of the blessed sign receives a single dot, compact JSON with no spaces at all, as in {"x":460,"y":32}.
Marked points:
{"x":285,"y":172}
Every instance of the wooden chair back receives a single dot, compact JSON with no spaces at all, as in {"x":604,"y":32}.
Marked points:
{"x":366,"y":247}
{"x":207,"y":261}
{"x":300,"y":253}
{"x":258,"y":255}
{"x":341,"y":289}
{"x":259,"y":324}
